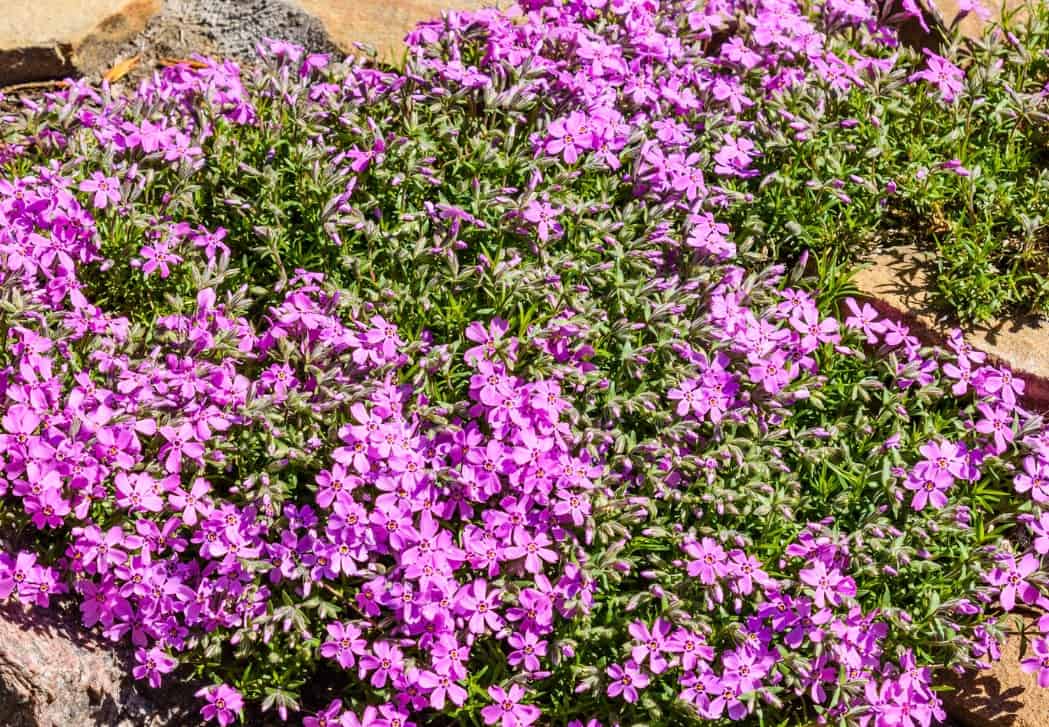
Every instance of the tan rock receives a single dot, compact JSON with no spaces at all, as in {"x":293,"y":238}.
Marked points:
{"x":380,"y":23}
{"x":971,"y":25}
{"x":46,"y":39}
{"x":900,"y":277}
{"x":1003,"y":696}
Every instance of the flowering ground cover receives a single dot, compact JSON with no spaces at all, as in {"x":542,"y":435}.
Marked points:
{"x":472,"y":393}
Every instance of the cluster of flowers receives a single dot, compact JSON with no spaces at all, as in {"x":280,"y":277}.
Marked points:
{"x":437,"y":527}
{"x":294,"y":479}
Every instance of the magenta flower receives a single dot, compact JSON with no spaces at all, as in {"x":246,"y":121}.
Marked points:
{"x":192,"y":504}
{"x":544,"y":216}
{"x":224,"y":704}
{"x":1004,"y":385}
{"x":532,"y":548}
{"x":626,"y":680}
{"x":442,"y":686}
{"x":508,"y":710}
{"x":945,"y":76}
{"x":864,"y":319}
{"x":106,"y":190}
{"x":181,"y":442}
{"x":928,"y":488}
{"x":344,"y":644}
{"x":152,"y":665}
{"x":568,"y":137}
{"x":709,"y":560}
{"x":1034,"y":479}
{"x":385,"y":662}
{"x":330,"y":716}
{"x":650,"y":644}
{"x":998,"y":422}
{"x":158,"y":256}
{"x":480,"y":604}
{"x":830,"y":585}
{"x":1011,"y":580}
{"x":527,"y":650}
{"x":1039,"y":662}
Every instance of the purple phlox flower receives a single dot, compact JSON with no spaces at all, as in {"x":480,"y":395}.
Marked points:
{"x":625,"y":680}
{"x":773,"y":371}
{"x":709,"y":560}
{"x":224,"y":703}
{"x":864,"y":319}
{"x":181,"y":443}
{"x":1011,"y":579}
{"x":49,"y":508}
{"x":528,"y":649}
{"x":1038,"y":662}
{"x":544,"y":216}
{"x":961,"y":374}
{"x":929,"y":486}
{"x":442,"y":685}
{"x":710,"y":237}
{"x":569,"y":136}
{"x":1002,"y":384}
{"x":691,"y":647}
{"x":948,"y":78}
{"x":508,"y":710}
{"x":998,"y":422}
{"x":965,"y":353}
{"x":533,"y":548}
{"x":106,"y":190}
{"x":194,"y":503}
{"x":330,"y":716}
{"x":734,"y":157}
{"x":829,"y":583}
{"x":724,"y":697}
{"x":158,"y":256}
{"x":745,"y":668}
{"x":152,"y":665}
{"x":384,"y":662}
{"x":480,"y":604}
{"x":813,"y":330}
{"x":489,"y":341}
{"x":344,"y":644}
{"x":1040,"y":529}
{"x":943,"y":458}
{"x":137,"y":492}
{"x":650,"y":644}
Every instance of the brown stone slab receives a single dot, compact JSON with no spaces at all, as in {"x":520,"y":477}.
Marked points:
{"x":1002,"y":696}
{"x":47,"y":39}
{"x":900,"y":279}
{"x":380,"y":23}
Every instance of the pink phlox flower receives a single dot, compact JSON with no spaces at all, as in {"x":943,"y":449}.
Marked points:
{"x":1038,"y":662}
{"x":1011,"y":579}
{"x":105,"y":190}
{"x":224,"y":703}
{"x":508,"y":710}
{"x":651,"y":644}
{"x":948,"y":78}
{"x":152,"y":665}
{"x":998,"y":422}
{"x":830,"y":585}
{"x":625,"y":680}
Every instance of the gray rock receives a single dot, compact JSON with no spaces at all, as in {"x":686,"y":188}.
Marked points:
{"x":53,"y":674}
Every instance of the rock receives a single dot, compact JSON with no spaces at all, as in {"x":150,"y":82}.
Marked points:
{"x":971,"y":25}
{"x":900,"y":279}
{"x":56,"y":675}
{"x":41,"y":40}
{"x":1003,"y":696}
{"x":379,"y":23}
